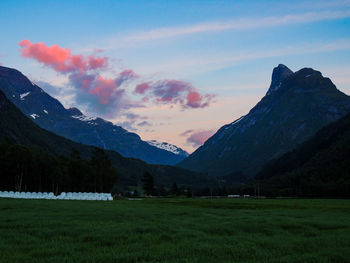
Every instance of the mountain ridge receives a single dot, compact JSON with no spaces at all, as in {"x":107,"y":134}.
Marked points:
{"x":17,"y":128}
{"x":71,"y":123}
{"x":296,"y":105}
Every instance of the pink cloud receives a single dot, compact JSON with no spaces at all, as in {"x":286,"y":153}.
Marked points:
{"x":174,"y":92}
{"x":82,"y":70}
{"x":125,"y":76}
{"x":106,"y":94}
{"x":106,"y":90}
{"x":97,"y":62}
{"x":197,"y":138}
{"x":142,"y":88}
{"x":60,"y":59}
{"x":103,"y":88}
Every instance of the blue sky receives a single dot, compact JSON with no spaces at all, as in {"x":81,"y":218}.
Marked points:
{"x":226,"y":48}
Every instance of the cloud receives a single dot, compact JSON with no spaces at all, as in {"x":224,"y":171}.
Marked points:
{"x":105,"y":89}
{"x":131,"y":116}
{"x":82,"y":70}
{"x":128,"y":121}
{"x":199,"y":65}
{"x":128,"y":125}
{"x":108,"y":96}
{"x":99,"y":93}
{"x":66,"y":95}
{"x":232,"y":25}
{"x":186,"y":133}
{"x":49,"y":88}
{"x":173,"y":92}
{"x":144,"y":123}
{"x":197,"y":138}
{"x":60,"y":59}
{"x":142,"y":88}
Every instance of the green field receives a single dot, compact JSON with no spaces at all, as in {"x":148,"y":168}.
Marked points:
{"x":175,"y":230}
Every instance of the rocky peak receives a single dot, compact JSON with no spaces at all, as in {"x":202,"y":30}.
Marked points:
{"x":308,"y":72}
{"x":279,"y":73}
{"x":295,"y":107}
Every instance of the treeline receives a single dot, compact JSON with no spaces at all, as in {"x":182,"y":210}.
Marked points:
{"x":149,"y":189}
{"x":311,"y":181}
{"x":31,"y":169}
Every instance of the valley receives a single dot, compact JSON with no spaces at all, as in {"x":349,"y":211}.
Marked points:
{"x":175,"y":131}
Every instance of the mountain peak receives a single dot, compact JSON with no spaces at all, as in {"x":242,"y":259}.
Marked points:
{"x":74,"y":111}
{"x":307,"y":72}
{"x":279,"y":73}
{"x":296,"y":106}
{"x":71,"y":123}
{"x":168,"y":147}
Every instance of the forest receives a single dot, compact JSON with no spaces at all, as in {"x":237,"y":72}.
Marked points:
{"x":32,"y":169}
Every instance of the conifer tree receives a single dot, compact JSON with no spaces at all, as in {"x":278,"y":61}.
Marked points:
{"x":148,"y":183}
{"x":175,"y":189}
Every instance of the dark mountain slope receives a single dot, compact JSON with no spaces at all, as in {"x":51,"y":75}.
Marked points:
{"x":50,"y":114}
{"x":318,"y":167}
{"x":294,"y":108}
{"x":17,"y":128}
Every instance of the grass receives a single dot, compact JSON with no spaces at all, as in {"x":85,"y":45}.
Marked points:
{"x":175,"y":230}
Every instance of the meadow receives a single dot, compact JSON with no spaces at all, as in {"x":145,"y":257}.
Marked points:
{"x":175,"y":230}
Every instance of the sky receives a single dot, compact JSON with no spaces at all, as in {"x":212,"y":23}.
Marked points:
{"x":172,"y":71}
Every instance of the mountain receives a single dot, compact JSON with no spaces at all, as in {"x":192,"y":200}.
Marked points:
{"x":294,"y":108}
{"x":17,"y":128}
{"x":168,"y":147}
{"x":318,"y":167}
{"x":50,"y":114}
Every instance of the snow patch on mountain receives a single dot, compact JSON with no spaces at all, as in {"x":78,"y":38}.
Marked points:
{"x":167,"y":146}
{"x":84,"y":118}
{"x":23,"y":95}
{"x":92,"y":123}
{"x":236,"y":121}
{"x":34,"y":116}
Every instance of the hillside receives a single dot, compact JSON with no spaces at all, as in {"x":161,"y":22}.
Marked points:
{"x":318,"y":167}
{"x":49,"y":113}
{"x":294,"y":108}
{"x":17,"y":128}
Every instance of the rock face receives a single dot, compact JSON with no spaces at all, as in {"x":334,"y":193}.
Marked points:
{"x":50,"y":114}
{"x":294,"y":108}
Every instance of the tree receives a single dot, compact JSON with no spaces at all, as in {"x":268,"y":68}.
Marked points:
{"x":104,"y":174}
{"x":189,"y":192}
{"x":19,"y":161}
{"x":175,"y":189}
{"x":148,"y":183}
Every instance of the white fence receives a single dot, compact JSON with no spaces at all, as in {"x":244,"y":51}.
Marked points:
{"x":62,"y":196}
